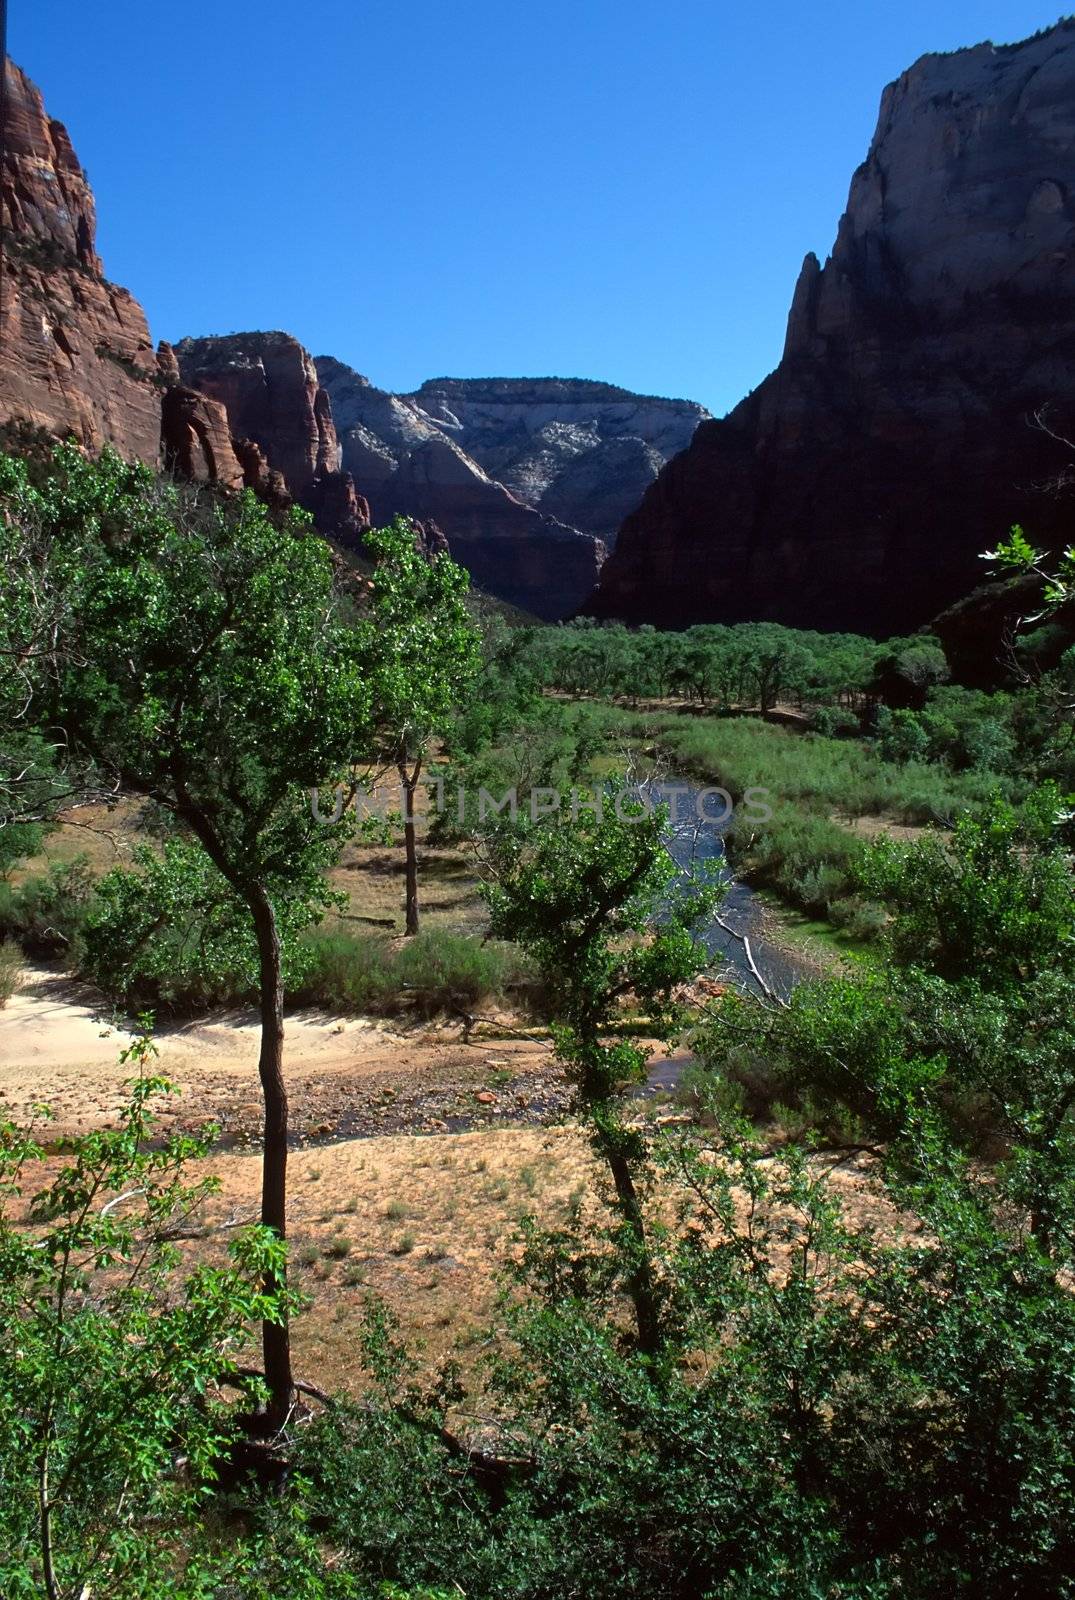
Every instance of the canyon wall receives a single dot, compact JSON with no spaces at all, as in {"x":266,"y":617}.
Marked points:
{"x":581,"y":451}
{"x":247,"y":410}
{"x":408,"y":462}
{"x":75,"y":352}
{"x":898,"y":436}
{"x":280,"y":421}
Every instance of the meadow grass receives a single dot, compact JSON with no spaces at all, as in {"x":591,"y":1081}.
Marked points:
{"x":437,"y":971}
{"x":805,"y":852}
{"x":838,"y":776}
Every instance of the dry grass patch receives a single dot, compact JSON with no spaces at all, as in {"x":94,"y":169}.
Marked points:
{"x":426,"y":1223}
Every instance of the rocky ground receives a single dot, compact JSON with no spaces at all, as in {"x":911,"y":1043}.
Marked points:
{"x":347,"y":1076}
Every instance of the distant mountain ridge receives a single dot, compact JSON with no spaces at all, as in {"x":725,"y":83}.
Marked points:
{"x":581,"y":450}
{"x":252,"y":409}
{"x":497,"y":463}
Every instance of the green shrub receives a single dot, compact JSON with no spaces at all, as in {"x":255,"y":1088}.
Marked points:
{"x":10,"y":969}
{"x":46,"y":914}
{"x":858,"y":918}
{"x":835,"y":722}
{"x":839,"y":776}
{"x":807,"y":858}
{"x":111,"y":1360}
{"x":17,"y":841}
{"x":435,"y":972}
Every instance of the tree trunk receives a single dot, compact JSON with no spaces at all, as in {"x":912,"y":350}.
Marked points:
{"x":275,"y":1336}
{"x":409,"y":781}
{"x":640,"y":1284}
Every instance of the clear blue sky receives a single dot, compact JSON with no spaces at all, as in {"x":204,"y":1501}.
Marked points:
{"x":617,"y":189}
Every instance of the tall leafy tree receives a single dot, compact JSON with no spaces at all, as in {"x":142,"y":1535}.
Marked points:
{"x":594,"y":899}
{"x":424,"y":652}
{"x":204,"y":665}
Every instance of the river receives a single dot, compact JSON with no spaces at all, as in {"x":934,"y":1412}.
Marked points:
{"x":696,"y":839}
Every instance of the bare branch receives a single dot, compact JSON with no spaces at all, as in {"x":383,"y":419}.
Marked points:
{"x":766,"y":988}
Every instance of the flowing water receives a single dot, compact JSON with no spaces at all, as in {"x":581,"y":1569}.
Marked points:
{"x":696,"y":839}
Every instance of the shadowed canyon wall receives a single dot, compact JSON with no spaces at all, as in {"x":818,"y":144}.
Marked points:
{"x":896,"y":440}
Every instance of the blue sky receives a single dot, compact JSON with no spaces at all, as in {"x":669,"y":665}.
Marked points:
{"x":617,"y":189}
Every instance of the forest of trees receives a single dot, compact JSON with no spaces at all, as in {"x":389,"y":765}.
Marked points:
{"x":725,"y":1378}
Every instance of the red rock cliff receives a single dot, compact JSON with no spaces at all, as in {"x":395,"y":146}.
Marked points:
{"x":75,"y":352}
{"x":281,"y":419}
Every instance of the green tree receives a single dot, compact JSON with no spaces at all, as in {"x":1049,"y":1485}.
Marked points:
{"x":107,"y":1362}
{"x":1016,"y":554}
{"x":423,"y":653}
{"x":992,"y":901}
{"x":203,"y":664}
{"x":594,"y":900}
{"x":38,"y":774}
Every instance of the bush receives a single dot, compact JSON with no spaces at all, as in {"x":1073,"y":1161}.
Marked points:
{"x":835,"y":722}
{"x":434,"y":972}
{"x":10,"y":969}
{"x":111,"y":1425}
{"x":858,"y":918}
{"x":46,"y":914}
{"x":17,"y":841}
{"x":830,"y":1414}
{"x":806,"y":858}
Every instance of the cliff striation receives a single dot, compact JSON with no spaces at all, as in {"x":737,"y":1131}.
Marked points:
{"x":581,"y":451}
{"x":280,"y":420}
{"x":407,"y":462}
{"x":75,"y":352}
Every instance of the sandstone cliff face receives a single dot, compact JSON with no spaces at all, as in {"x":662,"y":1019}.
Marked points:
{"x":894,"y":442}
{"x":196,"y":441}
{"x":280,"y":422}
{"x":582,"y":451}
{"x":250,"y":410}
{"x":406,"y":462}
{"x":75,"y":352}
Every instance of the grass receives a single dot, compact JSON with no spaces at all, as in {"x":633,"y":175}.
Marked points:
{"x":10,"y":969}
{"x":438,"y":1265}
{"x":356,"y":963}
{"x":435,"y":972}
{"x":442,"y":970}
{"x":816,"y":934}
{"x":832,"y":776}
{"x":817,"y":789}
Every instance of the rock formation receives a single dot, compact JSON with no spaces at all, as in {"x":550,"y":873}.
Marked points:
{"x":196,"y":441}
{"x":519,"y":476}
{"x":990,"y":640}
{"x":581,"y":451}
{"x":75,"y":352}
{"x":407,"y":462}
{"x":265,"y":387}
{"x":896,"y":439}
